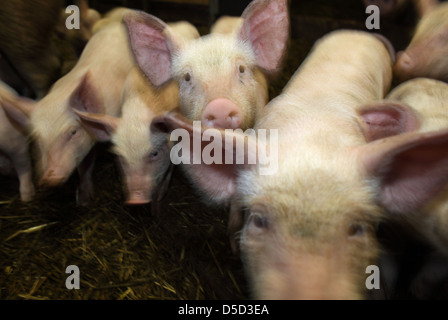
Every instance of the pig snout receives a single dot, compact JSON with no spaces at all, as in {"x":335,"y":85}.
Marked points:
{"x":52,"y":177}
{"x":139,"y":189}
{"x":404,"y":66}
{"x":137,"y":197}
{"x":222,"y":113}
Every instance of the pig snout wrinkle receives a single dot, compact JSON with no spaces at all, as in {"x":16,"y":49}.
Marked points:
{"x":51,"y":178}
{"x":137,"y":198}
{"x":222,"y":113}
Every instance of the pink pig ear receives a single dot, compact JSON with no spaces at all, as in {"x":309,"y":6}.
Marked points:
{"x":387,"y":119}
{"x":86,"y":97}
{"x":266,"y":27}
{"x":217,"y":181}
{"x":18,"y":110}
{"x":411,"y":168}
{"x":101,"y":126}
{"x":152,"y":47}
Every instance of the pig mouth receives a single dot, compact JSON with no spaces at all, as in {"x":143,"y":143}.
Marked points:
{"x":52,"y":178}
{"x":138,"y":197}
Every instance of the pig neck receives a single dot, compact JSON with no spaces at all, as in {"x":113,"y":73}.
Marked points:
{"x":318,"y":127}
{"x":322,"y":97}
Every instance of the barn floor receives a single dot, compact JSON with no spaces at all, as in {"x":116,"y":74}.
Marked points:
{"x":126,"y":252}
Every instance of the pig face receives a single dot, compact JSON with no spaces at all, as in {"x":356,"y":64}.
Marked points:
{"x":143,"y":161}
{"x":60,"y":148}
{"x":302,"y":242}
{"x":61,"y":141}
{"x":309,"y":229}
{"x":220,"y":76}
{"x":426,"y":55}
{"x":142,"y":152}
{"x":238,"y":92}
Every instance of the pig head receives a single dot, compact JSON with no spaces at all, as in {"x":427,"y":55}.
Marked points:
{"x":144,"y":162}
{"x":221,"y":77}
{"x":426,"y":54}
{"x":142,"y":149}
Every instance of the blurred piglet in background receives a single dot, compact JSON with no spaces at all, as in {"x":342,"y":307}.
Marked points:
{"x":14,"y":154}
{"x":221,"y":77}
{"x":419,"y":105}
{"x":143,"y":151}
{"x":427,"y":53}
{"x":93,"y":85}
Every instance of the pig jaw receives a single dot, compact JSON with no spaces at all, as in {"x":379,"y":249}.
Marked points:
{"x":143,"y":177}
{"x":59,"y":161}
{"x":288,"y":269}
{"x":139,"y":188}
{"x":305,"y":277}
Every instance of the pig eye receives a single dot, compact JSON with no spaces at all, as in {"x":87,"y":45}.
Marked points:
{"x":356,"y":229}
{"x":187,"y":77}
{"x":242,"y":68}
{"x":257,"y":222}
{"x":73,"y":132}
{"x":154,"y":154}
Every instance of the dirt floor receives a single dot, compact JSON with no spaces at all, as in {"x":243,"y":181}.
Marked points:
{"x":127,"y":252}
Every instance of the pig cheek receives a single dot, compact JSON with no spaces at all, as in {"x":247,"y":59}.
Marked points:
{"x":67,"y":154}
{"x":191,"y":101}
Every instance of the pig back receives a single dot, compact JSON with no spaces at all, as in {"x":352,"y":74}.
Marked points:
{"x":108,"y":58}
{"x":428,"y":98}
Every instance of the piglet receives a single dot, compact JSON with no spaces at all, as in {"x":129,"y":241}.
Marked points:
{"x":427,"y":53}
{"x":14,"y":154}
{"x":144,"y":161}
{"x":93,"y":85}
{"x":221,"y":77}
{"x":419,"y":105}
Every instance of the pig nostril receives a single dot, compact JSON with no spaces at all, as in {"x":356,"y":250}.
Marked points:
{"x":49,"y":174}
{"x":209,"y":120}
